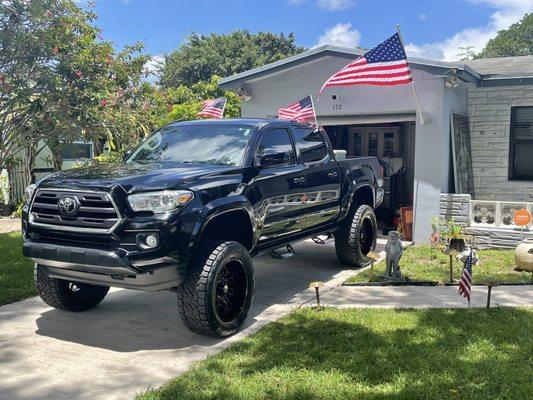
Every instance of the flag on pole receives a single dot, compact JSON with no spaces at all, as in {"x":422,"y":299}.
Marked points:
{"x":213,"y":108}
{"x":384,"y":65}
{"x":466,"y":278}
{"x":300,"y":111}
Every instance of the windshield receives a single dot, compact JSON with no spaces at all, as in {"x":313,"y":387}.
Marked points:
{"x":206,"y":144}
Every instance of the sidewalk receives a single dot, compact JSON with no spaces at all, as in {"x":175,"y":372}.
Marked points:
{"x":9,"y":225}
{"x":425,"y":297}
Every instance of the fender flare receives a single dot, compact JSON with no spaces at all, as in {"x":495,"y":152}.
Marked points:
{"x":349,"y":197}
{"x":216,"y":208}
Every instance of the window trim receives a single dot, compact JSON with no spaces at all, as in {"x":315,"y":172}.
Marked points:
{"x":291,"y":140}
{"x":512,"y":141}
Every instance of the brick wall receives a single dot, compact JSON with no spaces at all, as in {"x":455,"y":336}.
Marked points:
{"x":489,"y":111}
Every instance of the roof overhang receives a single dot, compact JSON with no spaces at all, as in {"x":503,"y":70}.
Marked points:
{"x":437,"y":68}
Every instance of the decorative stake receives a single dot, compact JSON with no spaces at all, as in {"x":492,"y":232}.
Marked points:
{"x":490,"y":285}
{"x":373,"y":258}
{"x":317,"y":285}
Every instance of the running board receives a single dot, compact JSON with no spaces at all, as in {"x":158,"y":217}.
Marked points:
{"x":282,"y":252}
{"x":318,"y":240}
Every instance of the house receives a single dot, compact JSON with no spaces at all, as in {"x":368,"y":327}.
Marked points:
{"x":470,"y":158}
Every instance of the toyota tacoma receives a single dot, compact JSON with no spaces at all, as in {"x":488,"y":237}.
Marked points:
{"x":188,"y":209}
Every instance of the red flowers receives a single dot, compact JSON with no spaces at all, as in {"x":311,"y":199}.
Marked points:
{"x":79,"y":74}
{"x":55,"y":50}
{"x":103,"y":102}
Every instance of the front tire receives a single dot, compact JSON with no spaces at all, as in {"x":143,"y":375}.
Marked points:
{"x":216,"y":294}
{"x":356,"y":237}
{"x":66,"y":295}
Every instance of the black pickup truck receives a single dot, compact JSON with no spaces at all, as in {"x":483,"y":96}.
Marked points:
{"x":189,"y":208}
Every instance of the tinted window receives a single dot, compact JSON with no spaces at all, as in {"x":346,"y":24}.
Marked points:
{"x":208,"y":144}
{"x":311,"y":144}
{"x":276,"y":143}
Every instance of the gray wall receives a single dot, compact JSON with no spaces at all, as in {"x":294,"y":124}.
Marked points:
{"x":489,"y":110}
{"x":366,"y":103}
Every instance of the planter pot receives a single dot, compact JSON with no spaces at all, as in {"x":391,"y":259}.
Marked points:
{"x":6,"y":210}
{"x":523,"y":255}
{"x":457,"y":244}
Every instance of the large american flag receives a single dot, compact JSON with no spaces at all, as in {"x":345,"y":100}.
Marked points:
{"x":213,"y":108}
{"x":384,"y":65}
{"x":466,"y":278}
{"x":300,"y":111}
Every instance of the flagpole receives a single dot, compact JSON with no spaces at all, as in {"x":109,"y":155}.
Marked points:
{"x":412,"y":80}
{"x":314,"y":110}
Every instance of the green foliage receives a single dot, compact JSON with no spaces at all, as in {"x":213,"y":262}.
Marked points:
{"x":448,"y":229}
{"x":202,"y":56}
{"x":517,"y":40}
{"x":370,"y":354}
{"x":62,"y":82}
{"x":424,"y":263}
{"x":16,"y":271}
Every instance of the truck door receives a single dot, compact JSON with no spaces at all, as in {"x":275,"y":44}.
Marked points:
{"x":321,"y":175}
{"x":278,"y":190}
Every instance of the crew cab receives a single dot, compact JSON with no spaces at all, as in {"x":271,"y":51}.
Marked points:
{"x":189,"y":208}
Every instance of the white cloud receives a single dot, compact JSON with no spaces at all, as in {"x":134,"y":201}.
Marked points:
{"x":340,"y":35}
{"x":423,"y":17}
{"x":335,"y":5}
{"x":153,"y":67}
{"x":506,"y":13}
{"x":296,"y":2}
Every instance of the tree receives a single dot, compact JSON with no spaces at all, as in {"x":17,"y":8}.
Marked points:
{"x":517,"y":40}
{"x":61,"y":81}
{"x":202,"y":56}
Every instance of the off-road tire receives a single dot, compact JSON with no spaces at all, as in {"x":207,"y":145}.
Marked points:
{"x":198,"y":294}
{"x":348,"y":245}
{"x":65,"y":295}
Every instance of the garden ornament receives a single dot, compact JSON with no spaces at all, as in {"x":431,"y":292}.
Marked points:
{"x":394,"y":250}
{"x":461,"y":257}
{"x":317,"y":285}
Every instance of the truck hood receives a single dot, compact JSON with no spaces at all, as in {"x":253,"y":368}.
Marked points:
{"x":134,"y":177}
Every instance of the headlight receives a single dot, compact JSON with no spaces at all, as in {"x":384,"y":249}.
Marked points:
{"x":28,"y":193}
{"x":160,"y":202}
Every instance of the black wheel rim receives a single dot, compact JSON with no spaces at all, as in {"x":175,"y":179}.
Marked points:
{"x":366,"y":236}
{"x":231,"y":291}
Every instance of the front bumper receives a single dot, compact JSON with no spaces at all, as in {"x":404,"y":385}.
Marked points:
{"x":103,"y":267}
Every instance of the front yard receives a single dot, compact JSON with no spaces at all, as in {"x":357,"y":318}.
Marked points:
{"x":422,"y":263}
{"x":16,"y":272}
{"x":371,"y":354}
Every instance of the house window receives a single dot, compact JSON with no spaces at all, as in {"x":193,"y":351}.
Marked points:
{"x":76,"y":150}
{"x":521,"y":144}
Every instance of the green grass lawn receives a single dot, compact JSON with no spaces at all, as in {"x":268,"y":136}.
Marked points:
{"x":16,"y":272}
{"x":422,"y":263}
{"x":371,"y":354}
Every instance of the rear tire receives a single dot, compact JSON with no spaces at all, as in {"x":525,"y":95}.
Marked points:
{"x":356,"y":237}
{"x":217,"y":292}
{"x":66,"y":295}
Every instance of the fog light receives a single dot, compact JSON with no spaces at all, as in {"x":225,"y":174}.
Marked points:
{"x":151,"y":240}
{"x":147,"y":240}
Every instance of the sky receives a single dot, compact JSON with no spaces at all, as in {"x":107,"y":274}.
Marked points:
{"x":434,"y":29}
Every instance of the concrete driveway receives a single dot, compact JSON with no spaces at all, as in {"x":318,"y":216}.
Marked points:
{"x":135,"y":340}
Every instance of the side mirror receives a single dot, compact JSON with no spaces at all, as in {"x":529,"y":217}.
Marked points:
{"x":126,"y":155}
{"x":272,"y":160}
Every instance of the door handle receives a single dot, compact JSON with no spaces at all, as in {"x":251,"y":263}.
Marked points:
{"x":299,"y":180}
{"x":332,"y":174}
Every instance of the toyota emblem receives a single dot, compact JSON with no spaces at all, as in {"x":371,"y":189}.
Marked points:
{"x":68,"y":204}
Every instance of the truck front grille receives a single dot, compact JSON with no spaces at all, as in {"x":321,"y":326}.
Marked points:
{"x":92,"y":211}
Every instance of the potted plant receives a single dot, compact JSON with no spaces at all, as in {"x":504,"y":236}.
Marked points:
{"x":454,"y":233}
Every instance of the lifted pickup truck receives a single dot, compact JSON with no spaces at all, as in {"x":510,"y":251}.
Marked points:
{"x":189,"y":208}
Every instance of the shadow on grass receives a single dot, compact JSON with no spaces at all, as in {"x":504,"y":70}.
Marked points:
{"x":372,"y":354}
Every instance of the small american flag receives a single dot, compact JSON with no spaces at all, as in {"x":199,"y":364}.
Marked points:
{"x":300,"y":111}
{"x":384,"y":65}
{"x":466,"y":278}
{"x":213,"y":108}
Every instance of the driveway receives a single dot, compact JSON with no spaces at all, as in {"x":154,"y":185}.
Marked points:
{"x":135,"y":340}
{"x":9,"y":225}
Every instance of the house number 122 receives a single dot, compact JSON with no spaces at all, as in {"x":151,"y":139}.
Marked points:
{"x":337,"y":107}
